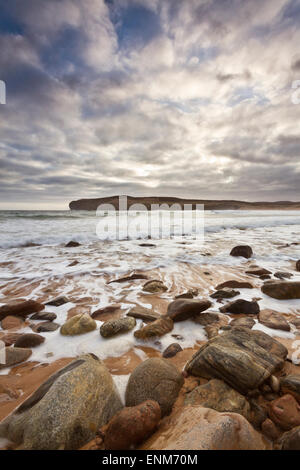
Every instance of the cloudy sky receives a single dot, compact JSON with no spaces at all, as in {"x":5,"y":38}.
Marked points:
{"x":149,"y":97}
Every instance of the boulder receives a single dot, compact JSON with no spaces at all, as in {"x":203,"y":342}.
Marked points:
{"x":298,"y":265}
{"x":183,"y":309}
{"x":154,"y":287}
{"x":285,"y":412}
{"x":11,"y":322}
{"x":142,"y":313}
{"x":47,"y":316}
{"x":243,"y":358}
{"x":282,"y":290}
{"x":206,"y":318}
{"x":10,"y":338}
{"x":243,"y":250}
{"x":283,"y":275}
{"x":241,"y":306}
{"x":67,"y":409}
{"x":29,"y":340}
{"x":172,"y":350}
{"x":45,"y":327}
{"x":132,"y":425}
{"x":100,"y":312}
{"x":290,"y":440}
{"x":270,"y":429}
{"x":212,"y":330}
{"x":58,"y":301}
{"x":117,"y":326}
{"x":15,"y":356}
{"x":20,"y":309}
{"x":154,"y":379}
{"x":190,"y":294}
{"x":273,"y":319}
{"x":78,"y":325}
{"x":157,"y":328}
{"x":220,"y":397}
{"x":72,"y":244}
{"x":132,"y":277}
{"x":259,"y":272}
{"x":198,"y":428}
{"x":225,"y":293}
{"x":233,"y":284}
{"x":291,"y":384}
{"x":246,"y":322}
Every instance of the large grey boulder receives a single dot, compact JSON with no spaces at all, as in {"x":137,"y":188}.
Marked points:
{"x":67,"y":409}
{"x":155,"y":379}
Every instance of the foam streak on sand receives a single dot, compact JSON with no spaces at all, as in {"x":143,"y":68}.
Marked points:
{"x":84,"y":273}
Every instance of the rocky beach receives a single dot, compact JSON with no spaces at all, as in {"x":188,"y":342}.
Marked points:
{"x":151,"y":344}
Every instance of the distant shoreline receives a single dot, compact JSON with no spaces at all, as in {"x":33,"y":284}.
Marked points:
{"x":93,"y":204}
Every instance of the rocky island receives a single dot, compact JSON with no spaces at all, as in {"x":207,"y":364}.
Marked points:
{"x":93,"y":204}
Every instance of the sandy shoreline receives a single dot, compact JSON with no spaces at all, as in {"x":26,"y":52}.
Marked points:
{"x":88,"y":291}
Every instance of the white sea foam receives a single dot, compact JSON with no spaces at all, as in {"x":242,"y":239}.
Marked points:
{"x":270,"y":233}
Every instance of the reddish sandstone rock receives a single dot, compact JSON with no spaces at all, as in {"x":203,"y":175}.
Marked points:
{"x":259,"y":272}
{"x":142,"y":313}
{"x":10,"y":322}
{"x":157,"y":328}
{"x":132,"y":425}
{"x":243,"y":250}
{"x":183,"y":309}
{"x":270,"y":430}
{"x":10,"y":338}
{"x":246,"y":322}
{"x":285,"y":412}
{"x":29,"y":340}
{"x":233,"y":284}
{"x":20,"y":309}
{"x":282,"y":290}
{"x":273,"y":319}
{"x":97,"y":314}
{"x":198,"y":428}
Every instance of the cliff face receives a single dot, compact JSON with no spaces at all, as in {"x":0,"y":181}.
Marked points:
{"x":93,"y":204}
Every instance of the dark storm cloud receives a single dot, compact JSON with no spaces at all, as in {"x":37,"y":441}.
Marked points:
{"x":149,"y":97}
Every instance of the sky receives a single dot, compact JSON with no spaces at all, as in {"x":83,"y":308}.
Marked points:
{"x":179,"y":98}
